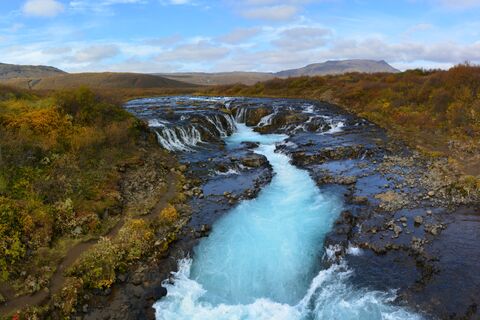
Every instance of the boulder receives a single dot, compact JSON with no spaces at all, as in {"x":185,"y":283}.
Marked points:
{"x":254,"y":161}
{"x":254,"y":115}
{"x":418,"y":220}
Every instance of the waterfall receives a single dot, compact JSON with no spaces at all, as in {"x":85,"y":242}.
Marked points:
{"x":179,"y":138}
{"x":266,"y":121}
{"x":241,"y":114}
{"x":223,"y":130}
{"x":188,"y":136}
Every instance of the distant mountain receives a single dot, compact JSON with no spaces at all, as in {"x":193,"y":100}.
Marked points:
{"x":339,"y":67}
{"x":105,"y":80}
{"x":11,"y":71}
{"x":221,"y":78}
{"x":44,"y":77}
{"x":250,"y":78}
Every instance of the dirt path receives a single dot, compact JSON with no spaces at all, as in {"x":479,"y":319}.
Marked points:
{"x":58,"y":279}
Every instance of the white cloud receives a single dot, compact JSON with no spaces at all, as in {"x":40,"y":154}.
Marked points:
{"x":95,"y":53}
{"x":100,"y":6}
{"x":459,"y":4}
{"x":43,"y":8}
{"x":194,"y":52}
{"x":302,"y":38}
{"x":273,"y":10}
{"x":177,"y":2}
{"x":238,"y":35}
{"x":279,"y":12}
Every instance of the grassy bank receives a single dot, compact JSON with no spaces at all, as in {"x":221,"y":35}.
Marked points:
{"x":435,"y":111}
{"x":70,"y":172}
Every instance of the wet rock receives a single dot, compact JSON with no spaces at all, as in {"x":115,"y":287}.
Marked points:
{"x":250,"y":145}
{"x":254,"y":115}
{"x":397,"y":230}
{"x":254,"y":160}
{"x":434,"y":229}
{"x":137,"y":279}
{"x":282,"y":119}
{"x":222,"y":167}
{"x":392,"y":201}
{"x":205,"y":229}
{"x":359,"y":200}
{"x":418,"y":220}
{"x":417,"y":244}
{"x":356,"y":151}
{"x":137,"y":291}
{"x":347,"y":217}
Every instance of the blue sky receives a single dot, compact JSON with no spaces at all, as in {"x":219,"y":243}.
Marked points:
{"x":228,"y":35}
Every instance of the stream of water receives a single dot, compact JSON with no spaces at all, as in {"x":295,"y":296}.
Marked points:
{"x":262,"y":259}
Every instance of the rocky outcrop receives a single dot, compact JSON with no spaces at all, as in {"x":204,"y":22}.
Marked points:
{"x":302,"y":158}
{"x":254,"y":115}
{"x":282,"y":119}
{"x":254,"y":160}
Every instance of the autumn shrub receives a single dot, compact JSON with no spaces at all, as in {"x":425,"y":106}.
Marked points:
{"x":98,"y":267}
{"x":169,"y":214}
{"x":58,"y":159}
{"x":135,"y":239}
{"x":12,"y":248}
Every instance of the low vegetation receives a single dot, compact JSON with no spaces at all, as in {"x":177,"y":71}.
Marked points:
{"x":436,"y":111}
{"x":65,"y":157}
{"x":57,"y":173}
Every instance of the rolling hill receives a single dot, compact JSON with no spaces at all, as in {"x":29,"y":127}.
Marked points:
{"x":10,"y":71}
{"x":50,"y":78}
{"x":106,"y":80}
{"x":248,"y":78}
{"x":339,"y":67}
{"x":221,"y":78}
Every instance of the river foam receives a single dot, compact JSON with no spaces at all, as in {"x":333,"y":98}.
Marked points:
{"x":261,"y":259}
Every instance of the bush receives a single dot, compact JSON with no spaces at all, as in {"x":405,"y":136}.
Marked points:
{"x":169,"y":214}
{"x":58,"y":159}
{"x":98,"y":266}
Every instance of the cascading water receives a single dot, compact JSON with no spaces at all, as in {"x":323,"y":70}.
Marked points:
{"x":260,"y":261}
{"x":188,"y":136}
{"x":267,"y":120}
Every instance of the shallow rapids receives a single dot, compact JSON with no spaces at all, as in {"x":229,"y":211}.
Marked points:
{"x":262,"y":259}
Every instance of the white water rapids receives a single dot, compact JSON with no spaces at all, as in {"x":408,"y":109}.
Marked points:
{"x":261,"y":259}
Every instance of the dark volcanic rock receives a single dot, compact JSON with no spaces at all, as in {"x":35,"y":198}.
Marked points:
{"x":402,"y":214}
{"x":254,"y":115}
{"x":254,"y":160}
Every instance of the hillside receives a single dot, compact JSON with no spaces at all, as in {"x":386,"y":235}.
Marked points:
{"x":202,"y":78}
{"x":11,"y":71}
{"x":250,"y":78}
{"x":339,"y":67}
{"x":107,"y":80}
{"x":84,"y":189}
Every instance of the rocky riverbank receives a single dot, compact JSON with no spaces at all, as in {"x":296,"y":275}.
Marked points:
{"x":409,"y":222}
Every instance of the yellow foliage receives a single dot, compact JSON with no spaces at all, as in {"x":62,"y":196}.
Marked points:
{"x":169,"y":214}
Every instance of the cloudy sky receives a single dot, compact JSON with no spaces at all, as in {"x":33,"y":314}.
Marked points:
{"x":227,"y":35}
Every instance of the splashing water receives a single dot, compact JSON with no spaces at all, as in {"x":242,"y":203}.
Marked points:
{"x":260,"y":261}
